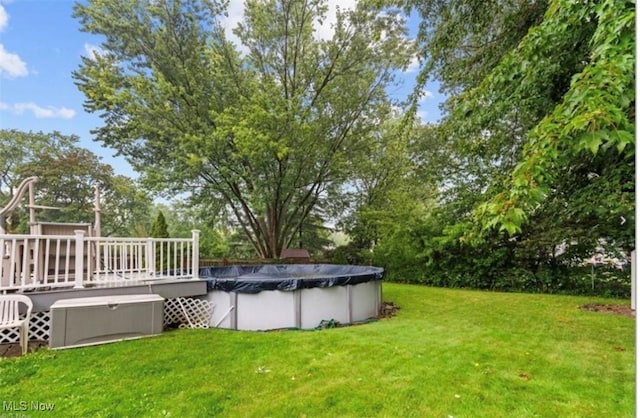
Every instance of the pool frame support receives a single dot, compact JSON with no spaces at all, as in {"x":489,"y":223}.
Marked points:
{"x":349,"y":304}
{"x":297,"y":309}
{"x":233,"y":319}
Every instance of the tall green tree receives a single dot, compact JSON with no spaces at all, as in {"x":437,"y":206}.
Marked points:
{"x":18,"y":148}
{"x":125,"y":207}
{"x":68,"y":175}
{"x":593,"y":121}
{"x":461,"y":41}
{"x":159,"y":228}
{"x":385,"y":183}
{"x":183,"y":217}
{"x":539,"y":127}
{"x":472,"y":151}
{"x":266,"y":135}
{"x":533,"y":160}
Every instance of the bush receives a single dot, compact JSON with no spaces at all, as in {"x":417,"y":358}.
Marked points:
{"x":499,"y":268}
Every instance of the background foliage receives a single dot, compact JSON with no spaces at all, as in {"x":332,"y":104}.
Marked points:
{"x":532,"y":167}
{"x":68,"y":175}
{"x":290,"y":140}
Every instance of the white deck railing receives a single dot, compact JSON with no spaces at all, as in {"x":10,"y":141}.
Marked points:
{"x":50,"y":261}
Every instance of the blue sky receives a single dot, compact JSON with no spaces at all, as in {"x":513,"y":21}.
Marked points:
{"x":40,"y":46}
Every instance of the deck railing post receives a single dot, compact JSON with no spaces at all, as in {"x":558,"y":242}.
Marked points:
{"x":79,"y":253}
{"x":151,"y":257}
{"x":95,"y":267}
{"x":195,"y":257}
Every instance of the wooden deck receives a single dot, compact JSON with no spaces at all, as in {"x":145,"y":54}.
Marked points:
{"x":40,"y":325}
{"x":45,"y":262}
{"x":167,"y":288}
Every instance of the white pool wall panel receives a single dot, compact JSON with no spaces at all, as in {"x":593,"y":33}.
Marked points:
{"x":304,"y":308}
{"x":324,"y":303}
{"x":222,"y":314}
{"x":271,"y":309}
{"x":365,"y":302}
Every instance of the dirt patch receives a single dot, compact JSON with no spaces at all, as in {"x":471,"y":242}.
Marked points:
{"x":388,"y":309}
{"x":612,"y":308}
{"x":14,"y":349}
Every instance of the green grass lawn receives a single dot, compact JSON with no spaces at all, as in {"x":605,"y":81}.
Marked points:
{"x":447,"y":353}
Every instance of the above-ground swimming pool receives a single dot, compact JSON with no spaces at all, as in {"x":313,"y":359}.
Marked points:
{"x":264,"y":297}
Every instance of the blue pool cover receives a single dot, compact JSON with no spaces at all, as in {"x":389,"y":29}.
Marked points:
{"x":286,"y":277}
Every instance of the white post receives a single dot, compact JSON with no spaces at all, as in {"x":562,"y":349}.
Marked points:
{"x":79,"y":254}
{"x":151,"y":257}
{"x":633,"y":280}
{"x":195,"y":257}
{"x":97,"y":231}
{"x":32,"y":209}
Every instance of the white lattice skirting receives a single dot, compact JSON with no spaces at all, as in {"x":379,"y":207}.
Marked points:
{"x":186,"y":312}
{"x":38,"y":329}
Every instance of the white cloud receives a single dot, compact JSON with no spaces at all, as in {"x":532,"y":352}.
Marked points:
{"x":423,"y":115}
{"x":4,"y":18}
{"x":325,"y":31}
{"x":49,"y":112}
{"x":425,"y":94}
{"x":414,"y":65}
{"x":91,"y":51}
{"x":235,"y":15}
{"x":11,"y":65}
